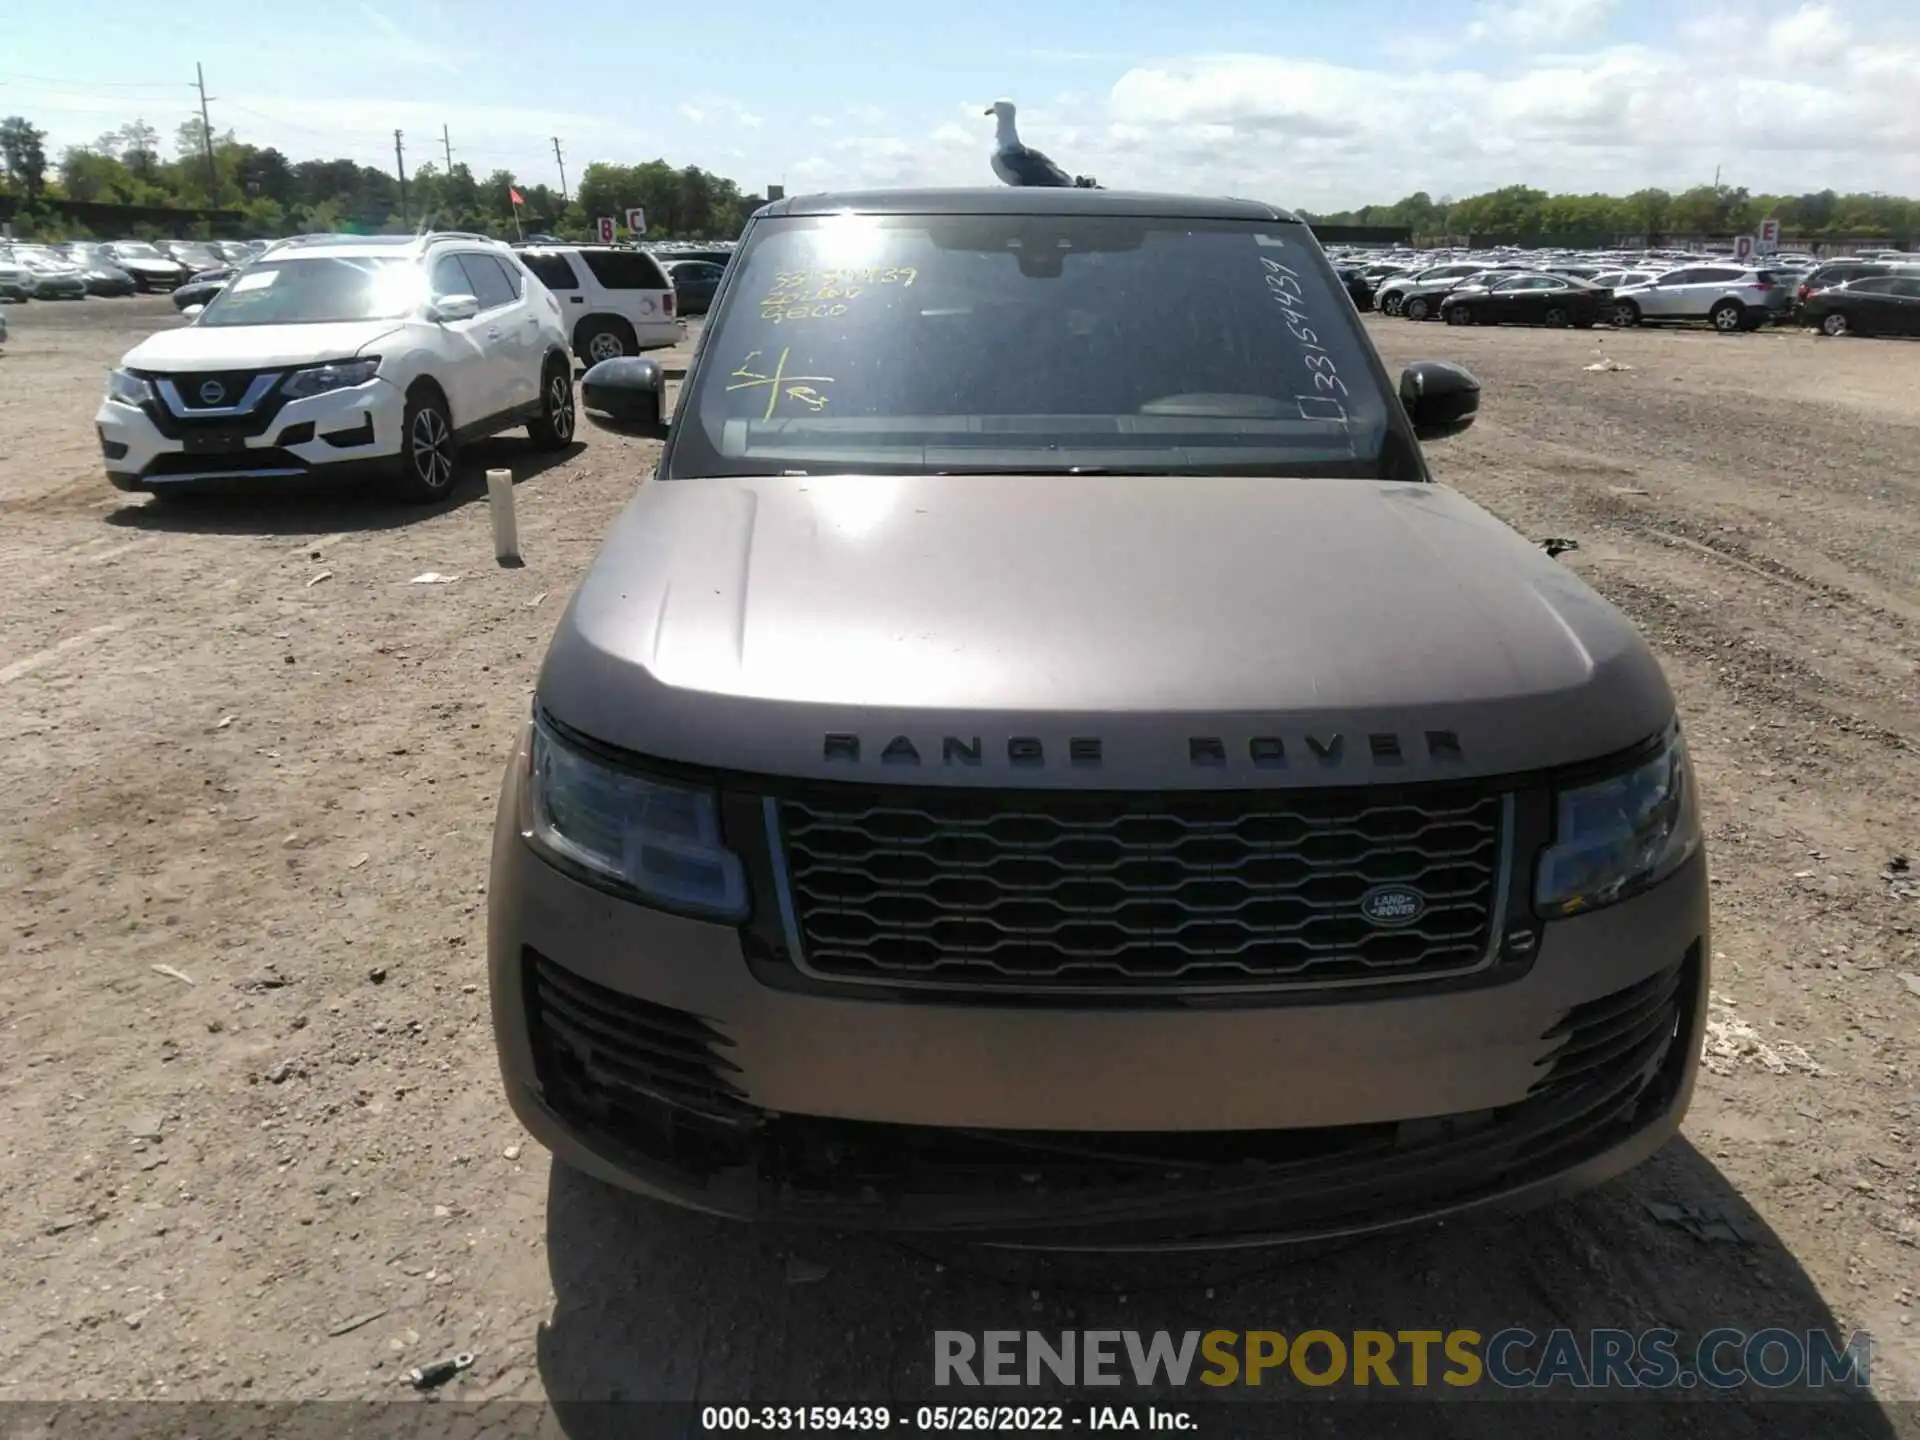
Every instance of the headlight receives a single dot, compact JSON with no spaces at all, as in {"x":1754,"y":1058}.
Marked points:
{"x":659,"y":842}
{"x":319,"y":379}
{"x":128,"y":388}
{"x":1617,"y":836}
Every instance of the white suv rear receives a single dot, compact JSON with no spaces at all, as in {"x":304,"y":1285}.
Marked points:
{"x":616,"y":299}
{"x":338,"y":354}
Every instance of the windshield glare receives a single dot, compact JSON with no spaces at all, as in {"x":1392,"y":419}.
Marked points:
{"x":960,"y":343}
{"x":137,"y":250}
{"x":318,"y":290}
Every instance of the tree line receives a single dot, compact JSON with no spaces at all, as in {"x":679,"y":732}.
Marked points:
{"x":276,"y":195}
{"x":1519,"y":212}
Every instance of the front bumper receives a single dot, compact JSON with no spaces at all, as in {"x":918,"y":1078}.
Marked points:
{"x":340,"y":432}
{"x":1084,"y":1125}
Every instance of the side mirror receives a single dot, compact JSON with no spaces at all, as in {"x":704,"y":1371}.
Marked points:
{"x":1441,"y":399}
{"x":449,"y":308}
{"x":191,"y":310}
{"x":627,"y":395}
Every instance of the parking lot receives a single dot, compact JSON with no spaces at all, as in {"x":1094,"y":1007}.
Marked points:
{"x":249,"y":772}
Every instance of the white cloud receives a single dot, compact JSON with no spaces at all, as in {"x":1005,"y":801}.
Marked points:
{"x":1539,"y":24}
{"x":1803,"y":103}
{"x":720,"y":110}
{"x":396,"y":44}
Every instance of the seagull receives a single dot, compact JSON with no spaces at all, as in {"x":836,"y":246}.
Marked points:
{"x":1019,"y":164}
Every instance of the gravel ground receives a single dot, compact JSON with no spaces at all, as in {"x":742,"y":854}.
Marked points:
{"x":247,"y":1070}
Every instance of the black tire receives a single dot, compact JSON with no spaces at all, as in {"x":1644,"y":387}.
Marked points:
{"x":429,"y":458}
{"x":1729,"y":317}
{"x":1557,"y":317}
{"x":1390,"y":304}
{"x":1626,"y":314}
{"x":1461,"y":315}
{"x":604,"y":337}
{"x":554,"y":429}
{"x":1833,"y":324}
{"x":1416,"y":308}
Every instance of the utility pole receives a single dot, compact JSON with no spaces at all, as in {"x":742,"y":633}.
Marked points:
{"x":400,"y":168}
{"x":561,"y":161}
{"x":206,"y":135}
{"x":447,"y":142}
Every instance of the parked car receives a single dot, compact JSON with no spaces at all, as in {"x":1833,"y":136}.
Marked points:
{"x":202,"y":287}
{"x":1556,"y":301}
{"x":880,"y":854}
{"x":344,"y":356}
{"x":1838,"y":272}
{"x":1874,"y":305}
{"x":1390,"y":293}
{"x":150,"y":269}
{"x":1422,"y":302}
{"x":16,"y":281}
{"x":617,"y":299}
{"x":103,"y":276}
{"x":694,"y":283}
{"x":196,"y":255}
{"x":1620,"y":279}
{"x":1359,"y":288}
{"x":54,"y":276}
{"x":1729,"y":297}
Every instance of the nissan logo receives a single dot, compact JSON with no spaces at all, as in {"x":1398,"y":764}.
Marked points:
{"x":212,"y":393}
{"x":1390,"y":906}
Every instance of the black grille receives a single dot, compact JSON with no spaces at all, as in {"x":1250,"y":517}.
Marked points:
{"x":1615,"y":1033}
{"x":233,"y":387}
{"x":227,"y":462}
{"x":598,"y":1051}
{"x":1614,"y":1067}
{"x":1021,"y":891}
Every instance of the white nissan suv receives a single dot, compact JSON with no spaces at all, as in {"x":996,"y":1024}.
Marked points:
{"x":340,"y":353}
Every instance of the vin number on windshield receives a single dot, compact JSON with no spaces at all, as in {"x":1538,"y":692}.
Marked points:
{"x":1283,"y":288}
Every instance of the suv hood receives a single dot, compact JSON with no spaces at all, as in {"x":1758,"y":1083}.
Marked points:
{"x":736,"y":623}
{"x":254,"y":347}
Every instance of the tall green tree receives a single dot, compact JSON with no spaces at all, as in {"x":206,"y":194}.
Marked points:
{"x":23,"y":150}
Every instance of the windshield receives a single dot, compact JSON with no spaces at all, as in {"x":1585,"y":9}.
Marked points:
{"x":319,"y":291}
{"x":137,"y":250}
{"x":961,"y":343}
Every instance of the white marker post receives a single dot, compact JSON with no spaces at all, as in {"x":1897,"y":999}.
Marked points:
{"x":506,"y":534}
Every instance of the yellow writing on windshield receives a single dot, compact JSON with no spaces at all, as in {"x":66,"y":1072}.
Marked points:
{"x":780,"y":384}
{"x":823,"y":294}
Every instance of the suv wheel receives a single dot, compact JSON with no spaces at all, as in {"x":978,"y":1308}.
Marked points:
{"x":1626,"y":314}
{"x":428,"y":454}
{"x":1728,"y":317}
{"x":600,"y":339}
{"x":554,"y":429}
{"x":1391,"y":302}
{"x":1416,"y":309}
{"x":1835,"y":324}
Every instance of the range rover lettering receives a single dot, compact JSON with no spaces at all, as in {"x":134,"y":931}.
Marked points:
{"x":922,"y":825}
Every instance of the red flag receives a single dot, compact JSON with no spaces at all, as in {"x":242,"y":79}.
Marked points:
{"x":515,"y":196}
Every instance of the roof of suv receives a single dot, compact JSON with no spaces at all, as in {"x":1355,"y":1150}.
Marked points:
{"x":1025,"y":200}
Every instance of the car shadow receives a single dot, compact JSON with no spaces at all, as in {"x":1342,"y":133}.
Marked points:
{"x":654,"y":1304}
{"x":320,"y":508}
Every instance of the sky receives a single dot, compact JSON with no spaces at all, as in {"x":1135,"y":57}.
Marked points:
{"x":1318,"y":104}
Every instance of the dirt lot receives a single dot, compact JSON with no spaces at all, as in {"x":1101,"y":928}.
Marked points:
{"x":239,"y":744}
